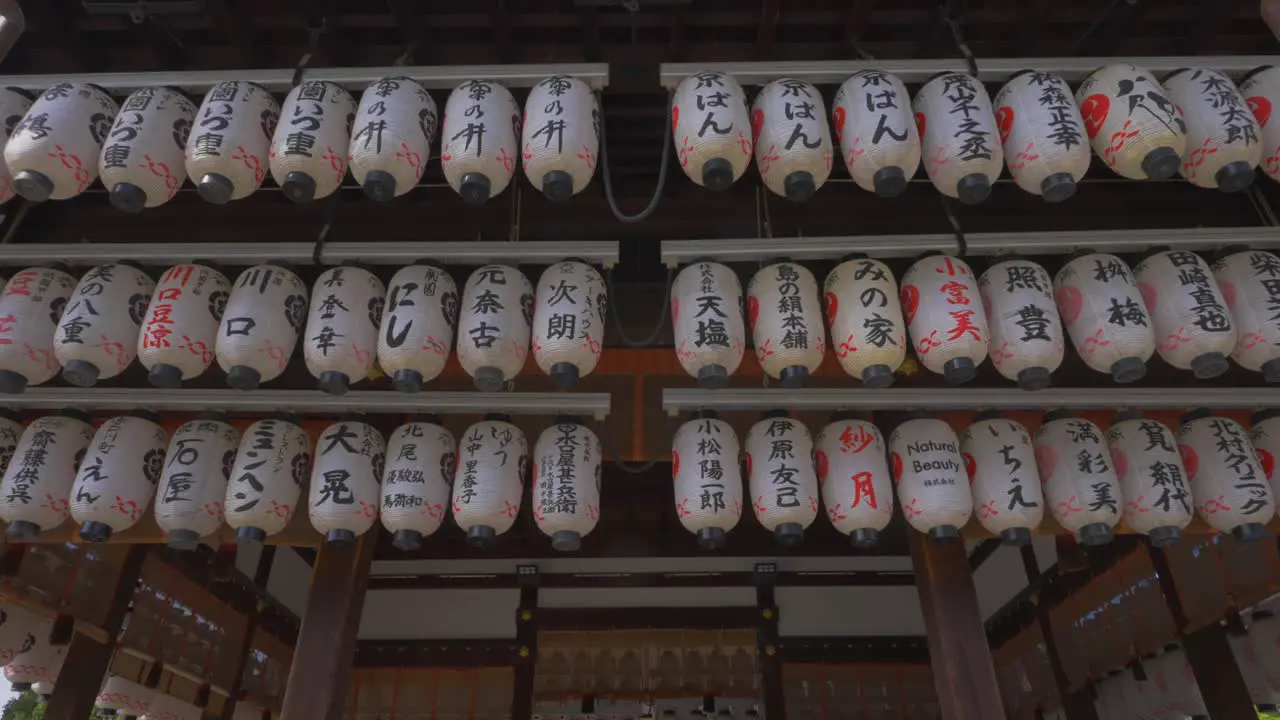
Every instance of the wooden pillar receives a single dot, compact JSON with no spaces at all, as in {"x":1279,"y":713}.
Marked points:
{"x":1074,"y":709}
{"x":326,"y":644}
{"x":526,"y":642}
{"x":769,"y":659}
{"x":260,"y":576}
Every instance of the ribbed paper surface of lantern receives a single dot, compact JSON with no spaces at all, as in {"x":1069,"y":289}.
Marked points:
{"x":41,"y":663}
{"x":1264,"y":636}
{"x":872,"y":119}
{"x":493,"y":461}
{"x":260,"y":326}
{"x":1223,"y":143}
{"x":480,"y":139}
{"x":97,"y":335}
{"x":37,"y":484}
{"x":1042,"y":134}
{"x":781,"y":477}
{"x":1132,"y":123}
{"x":20,"y":628}
{"x":14,"y":104}
{"x":142,"y":158}
{"x":422,"y":458}
{"x":1228,"y":481}
{"x":786,"y":322}
{"x":1192,"y":322}
{"x":857,"y":488}
{"x":924,"y":457}
{"x":266,"y":480}
{"x":167,"y":707}
{"x":1153,"y":481}
{"x":193,"y":487}
{"x":568,"y":321}
{"x":494,"y":325}
{"x":566,"y":490}
{"x":711,"y":129}
{"x":1026,"y":338}
{"x":418,"y":324}
{"x":1261,"y":91}
{"x":346,"y":480}
{"x":1265,"y":435}
{"x":561,"y":136}
{"x":1250,"y":284}
{"x":1106,"y":315}
{"x":124,"y":696}
{"x":227,"y":152}
{"x":706,"y":315}
{"x":791,"y":138}
{"x":959,"y":142}
{"x":865,"y":314}
{"x":1080,"y":485}
{"x":392,"y":135}
{"x":342,"y":327}
{"x":1000,"y":461}
{"x":31,"y":305}
{"x":945,"y":316}
{"x":309,"y":148}
{"x":180,"y":329}
{"x":708,"y":479}
{"x":53,"y":152}
{"x":118,"y":476}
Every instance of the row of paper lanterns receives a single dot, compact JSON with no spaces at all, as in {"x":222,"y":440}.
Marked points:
{"x":93,"y":329}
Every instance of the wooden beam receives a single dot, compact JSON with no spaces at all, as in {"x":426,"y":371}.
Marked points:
{"x":1074,"y":710}
{"x":767,"y":33}
{"x":769,"y":660}
{"x":236,"y":24}
{"x":527,"y":642}
{"x":245,"y":644}
{"x":983,"y":552}
{"x":500,"y":21}
{"x":855,"y":22}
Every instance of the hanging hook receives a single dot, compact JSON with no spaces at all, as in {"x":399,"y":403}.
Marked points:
{"x":314,"y":33}
{"x":962,"y":245}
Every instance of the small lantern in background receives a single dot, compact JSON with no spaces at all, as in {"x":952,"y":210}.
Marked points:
{"x":1223,"y":143}
{"x":1133,"y":125}
{"x":782,"y":479}
{"x":924,"y":456}
{"x":192,"y":489}
{"x":117,"y":478}
{"x":708,"y":479}
{"x":857,"y":487}
{"x":946,"y":318}
{"x":31,"y":303}
{"x":418,"y":324}
{"x":711,"y":129}
{"x":1192,"y":322}
{"x":1025,"y":340}
{"x":35,"y":492}
{"x":786,"y":322}
{"x":1227,"y":478}
{"x":345,"y":481}
{"x":417,"y":481}
{"x":1152,"y":478}
{"x":342,"y":327}
{"x":260,"y":326}
{"x":309,"y":149}
{"x":142,"y":159}
{"x":493,"y":462}
{"x":959,"y":141}
{"x":1080,"y":485}
{"x":228,"y":149}
{"x":267,"y":478}
{"x":566,"y":488}
{"x":97,"y":335}
{"x":480,"y":140}
{"x":706,"y":315}
{"x":494,"y":325}
{"x":561,"y":136}
{"x":1105,"y":315}
{"x":1001,"y":464}
{"x":180,"y":328}
{"x":863,"y":310}
{"x":791,"y":138}
{"x":392,"y":136}
{"x":53,"y":152}
{"x":872,"y":120}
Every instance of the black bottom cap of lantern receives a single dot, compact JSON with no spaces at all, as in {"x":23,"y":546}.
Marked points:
{"x":959,"y":371}
{"x":334,"y":382}
{"x":1034,"y":378}
{"x":944,"y":532}
{"x":474,"y":188}
{"x":407,"y":381}
{"x":1234,"y":176}
{"x":1058,"y":187}
{"x":12,"y":383}
{"x":243,"y":377}
{"x":250,"y":536}
{"x":1209,"y":365}
{"x":794,"y":376}
{"x":713,"y":377}
{"x":339,"y":537}
{"x":93,"y":531}
{"x":1015,"y":537}
{"x":712,"y":538}
{"x":800,"y":186}
{"x":889,"y":181}
{"x":80,"y":373}
{"x":21,"y":687}
{"x":215,"y":188}
{"x":481,"y":536}
{"x":1249,"y":532}
{"x":379,"y":185}
{"x":865,"y":537}
{"x":1161,"y":163}
{"x":1164,"y":536}
{"x":298,"y":186}
{"x":877,"y":376}
{"x":488,"y":379}
{"x":22,"y":530}
{"x":557,"y":186}
{"x":1271,"y":371}
{"x":165,"y":376}
{"x":717,"y":174}
{"x":564,"y":375}
{"x":184,"y":539}
{"x":1096,"y":534}
{"x":1127,"y":370}
{"x":973,"y":188}
{"x":33,"y":186}
{"x":566,"y":541}
{"x":127,"y":197}
{"x":407,"y":540}
{"x":788,"y":534}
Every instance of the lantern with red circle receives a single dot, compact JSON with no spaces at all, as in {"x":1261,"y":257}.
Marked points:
{"x":1261,"y":91}
{"x":924,"y":456}
{"x":878,"y":138}
{"x":1193,"y":325}
{"x":1042,"y":134}
{"x":707,"y":478}
{"x":1133,"y":125}
{"x":1227,"y":478}
{"x":1105,"y":315}
{"x":1080,"y":484}
{"x":1223,"y":147}
{"x":1250,"y":285}
{"x":1001,"y":465}
{"x":1153,"y":481}
{"x":865,"y":316}
{"x":857,"y":488}
{"x":711,"y":129}
{"x":781,"y":476}
{"x":959,"y":140}
{"x":945,"y":314}
{"x":1025,"y":330}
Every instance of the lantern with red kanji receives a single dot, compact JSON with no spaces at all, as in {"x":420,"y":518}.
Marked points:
{"x":1261,"y":91}
{"x":781,"y":477}
{"x":35,"y":492}
{"x":945,"y":315}
{"x":1227,"y":478}
{"x":1223,"y":143}
{"x":189,"y":498}
{"x":341,"y":339}
{"x":1025,"y":330}
{"x":1080,"y":484}
{"x":97,"y":335}
{"x":417,"y":481}
{"x":878,"y":138}
{"x":1250,"y":283}
{"x":480,"y":139}
{"x":792,"y":142}
{"x":391,"y":137}
{"x":1153,"y":480}
{"x":924,"y":455}
{"x":493,"y":462}
{"x":142,"y":159}
{"x":1193,"y":325}
{"x":228,"y":149}
{"x":566,"y":485}
{"x":309,"y":149}
{"x":31,"y":305}
{"x":180,"y":328}
{"x":1042,"y":134}
{"x":863,"y":310}
{"x":494,"y":325}
{"x":1001,"y":463}
{"x":122,"y":697}
{"x":260,"y":326}
{"x":711,"y":130}
{"x":857,"y":489}
{"x":14,"y":104}
{"x":1106,"y":315}
{"x":267,"y":478}
{"x":786,"y":322}
{"x":418,"y":323}
{"x":708,"y":478}
{"x":1265,"y":435}
{"x":53,"y":152}
{"x":1133,"y":125}
{"x":568,"y":321}
{"x":959,"y":141}
{"x":561,"y":136}
{"x":706,"y":314}
{"x":345,"y":481}
{"x":118,"y":476}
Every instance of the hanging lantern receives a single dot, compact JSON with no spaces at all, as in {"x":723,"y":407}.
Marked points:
{"x":260,"y":326}
{"x":711,"y":130}
{"x":118,"y":476}
{"x":37,"y":483}
{"x":494,"y":325}
{"x":709,"y":333}
{"x":1265,"y":435}
{"x":792,"y":142}
{"x":1042,"y":134}
{"x":189,"y":498}
{"x":391,"y":138}
{"x":346,"y":481}
{"x":1025,"y":329}
{"x":14,"y":104}
{"x":20,"y":629}
{"x":1251,"y":670}
{"x":781,"y":477}
{"x":857,"y":490}
{"x":924,"y":455}
{"x":41,"y":663}
{"x":227,"y":151}
{"x":1223,"y":143}
{"x":1152,"y":478}
{"x":1080,"y":485}
{"x":480,"y":140}
{"x":97,"y":335}
{"x":180,"y":329}
{"x":1261,"y":90}
{"x":53,"y":152}
{"x":957,"y":127}
{"x":708,"y":479}
{"x":142,"y":158}
{"x":1132,"y":123}
{"x":342,"y":327}
{"x":568,"y":321}
{"x":493,"y":461}
{"x":946,"y":318}
{"x":1001,"y":465}
{"x":417,"y":483}
{"x":566,"y":502}
{"x":867,"y":331}
{"x":1250,"y":283}
{"x":1105,"y":315}
{"x":1227,"y":478}
{"x":872,"y":120}
{"x":266,"y":480}
{"x":123,"y":697}
{"x":309,"y":148}
{"x":1264,"y":637}
{"x":561,"y":136}
{"x":1192,"y":323}
{"x":417,"y":326}
{"x":30,"y":307}
{"x":789,"y":336}
{"x":167,"y":707}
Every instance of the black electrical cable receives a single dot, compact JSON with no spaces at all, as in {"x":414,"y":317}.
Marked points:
{"x":617,"y":319}
{"x":662,"y":170}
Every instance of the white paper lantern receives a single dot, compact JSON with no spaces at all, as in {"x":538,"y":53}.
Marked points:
{"x":418,"y":324}
{"x":260,"y":326}
{"x":1080,"y":485}
{"x":392,"y":135}
{"x":707,"y":474}
{"x":53,"y":152}
{"x":1153,"y":481}
{"x":30,"y":307}
{"x":1251,"y":670}
{"x":167,"y":707}
{"x":566,"y":490}
{"x":227,"y":152}
{"x":1026,"y":331}
{"x":924,"y":456}
{"x":711,"y":129}
{"x":781,"y":477}
{"x":706,"y":315}
{"x":1265,"y":435}
{"x":20,"y":630}
{"x":1132,"y":123}
{"x":1001,"y":464}
{"x":1223,"y":143}
{"x":568,"y":321}
{"x":191,"y":492}
{"x":1227,"y":478}
{"x":346,"y":481}
{"x":1106,"y":315}
{"x":878,"y":138}
{"x":342,"y":327}
{"x":1250,"y":283}
{"x":422,"y":458}
{"x":1192,"y":322}
{"x":266,"y":480}
{"x":1264,"y":639}
{"x":41,"y":663}
{"x":142,"y":158}
{"x":867,"y":331}
{"x":309,"y":148}
{"x":945,"y":315}
{"x":1042,"y":134}
{"x":561,"y":136}
{"x":786,"y":322}
{"x":118,"y":476}
{"x":959,"y":142}
{"x":1261,"y":91}
{"x":493,"y":461}
{"x":14,"y":104}
{"x":494,"y":325}
{"x":792,"y":142}
{"x":857,"y":488}
{"x":35,"y":492}
{"x":480,"y":140}
{"x":180,"y":329}
{"x":123,"y":697}
{"x":97,"y":335}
